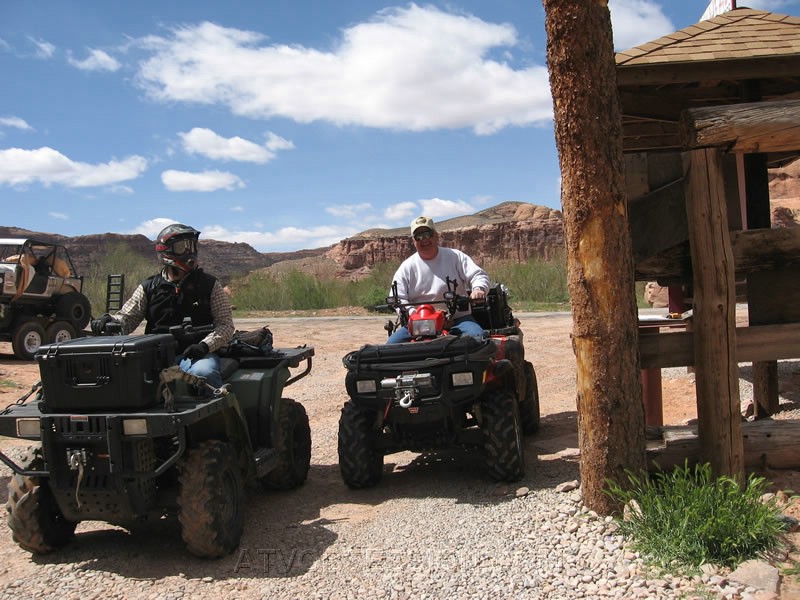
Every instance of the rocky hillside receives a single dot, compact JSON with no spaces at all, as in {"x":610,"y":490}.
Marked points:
{"x":511,"y":230}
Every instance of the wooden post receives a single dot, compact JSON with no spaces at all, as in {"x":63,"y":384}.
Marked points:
{"x":719,"y":419}
{"x":588,"y":130}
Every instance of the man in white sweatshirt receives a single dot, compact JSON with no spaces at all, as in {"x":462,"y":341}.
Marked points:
{"x":422,"y":277}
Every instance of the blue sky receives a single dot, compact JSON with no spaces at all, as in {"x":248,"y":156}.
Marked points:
{"x":285,"y":124}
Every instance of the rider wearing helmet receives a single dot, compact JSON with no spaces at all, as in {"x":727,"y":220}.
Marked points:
{"x":179,"y":291}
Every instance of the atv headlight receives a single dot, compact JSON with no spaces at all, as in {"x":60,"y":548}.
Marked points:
{"x":423,"y":327}
{"x":134,"y":426}
{"x":28,"y":428}
{"x":462,"y":379}
{"x":366,"y":386}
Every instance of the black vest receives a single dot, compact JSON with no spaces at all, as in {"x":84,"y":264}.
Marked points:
{"x":169,"y":303}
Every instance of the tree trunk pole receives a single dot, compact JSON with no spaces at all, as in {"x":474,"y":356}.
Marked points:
{"x":588,"y":132}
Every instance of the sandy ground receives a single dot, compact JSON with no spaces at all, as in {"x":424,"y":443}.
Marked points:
{"x":547,"y":346}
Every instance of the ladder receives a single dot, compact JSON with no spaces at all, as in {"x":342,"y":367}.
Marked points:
{"x":114,"y":292}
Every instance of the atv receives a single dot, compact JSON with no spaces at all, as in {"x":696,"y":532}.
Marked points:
{"x":440,"y":390}
{"x":124,"y":436}
{"x":41,"y":299}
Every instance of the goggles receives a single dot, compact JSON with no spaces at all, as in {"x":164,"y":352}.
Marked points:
{"x":423,"y":235}
{"x":184,"y":246}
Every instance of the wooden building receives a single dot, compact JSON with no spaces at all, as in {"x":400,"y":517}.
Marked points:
{"x":707,"y":110}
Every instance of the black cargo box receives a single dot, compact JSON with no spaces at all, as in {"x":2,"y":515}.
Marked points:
{"x":104,"y":373}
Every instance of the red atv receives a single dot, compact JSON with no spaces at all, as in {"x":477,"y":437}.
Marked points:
{"x":440,"y":390}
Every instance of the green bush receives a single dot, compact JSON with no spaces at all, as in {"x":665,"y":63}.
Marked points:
{"x":118,"y":259}
{"x":686,"y":518}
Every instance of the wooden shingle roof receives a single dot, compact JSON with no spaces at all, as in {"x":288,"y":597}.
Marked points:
{"x":743,"y":55}
{"x":742,"y":33}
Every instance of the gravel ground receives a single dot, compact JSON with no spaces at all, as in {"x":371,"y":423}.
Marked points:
{"x":435,"y":526}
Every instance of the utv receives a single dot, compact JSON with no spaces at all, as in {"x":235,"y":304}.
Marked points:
{"x":41,"y":299}
{"x":440,"y":390}
{"x":124,"y":436}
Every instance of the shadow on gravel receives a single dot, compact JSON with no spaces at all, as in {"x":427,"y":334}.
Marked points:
{"x":290,"y":533}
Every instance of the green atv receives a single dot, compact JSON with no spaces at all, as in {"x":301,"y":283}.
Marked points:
{"x":124,"y":436}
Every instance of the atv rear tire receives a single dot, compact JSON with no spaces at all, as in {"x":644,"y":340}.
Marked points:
{"x":36,"y":522}
{"x":60,"y":331}
{"x":502,"y":436}
{"x":360,"y":463}
{"x":75,"y":308}
{"x":529,"y":404}
{"x":27,"y":339}
{"x":294,"y":448}
{"x":210,"y":499}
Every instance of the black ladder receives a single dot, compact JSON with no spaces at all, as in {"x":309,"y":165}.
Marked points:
{"x":114,"y":292}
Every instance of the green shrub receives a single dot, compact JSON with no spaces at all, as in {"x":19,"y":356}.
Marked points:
{"x":118,"y":259}
{"x":686,"y":518}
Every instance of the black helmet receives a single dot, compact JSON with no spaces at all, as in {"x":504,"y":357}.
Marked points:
{"x":176,"y":246}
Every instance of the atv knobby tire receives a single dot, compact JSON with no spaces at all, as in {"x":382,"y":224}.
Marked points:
{"x":36,"y":522}
{"x":502,"y":436}
{"x":360,"y":463}
{"x":529,"y":404}
{"x":293,"y":443}
{"x":210,"y":499}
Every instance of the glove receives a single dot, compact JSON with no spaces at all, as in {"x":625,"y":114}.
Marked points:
{"x":196,"y":351}
{"x":99,"y":325}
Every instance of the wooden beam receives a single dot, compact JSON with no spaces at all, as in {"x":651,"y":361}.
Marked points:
{"x":658,"y":220}
{"x":717,"y":372}
{"x":749,"y":127}
{"x":709,"y":70}
{"x":759,"y":249}
{"x":753,"y":344}
{"x":765,"y":444}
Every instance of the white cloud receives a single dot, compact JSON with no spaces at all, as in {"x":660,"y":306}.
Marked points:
{"x":237,"y":208}
{"x":401,"y":211}
{"x":44,"y":50}
{"x":97,"y":60}
{"x":438,"y":208}
{"x":48,"y":166}
{"x":287,"y":237}
{"x":349,"y":211}
{"x":412,"y":68}
{"x":206,"y":181}
{"x":15,"y":122}
{"x":276,"y":142}
{"x":150,"y":229}
{"x":636,"y":22}
{"x":4,"y":45}
{"x":58,"y":215}
{"x":212,"y":145}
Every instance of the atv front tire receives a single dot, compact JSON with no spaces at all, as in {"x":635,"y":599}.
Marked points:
{"x":502,"y":436}
{"x":210,"y":499}
{"x":529,"y":404}
{"x":360,"y":463}
{"x":293,"y":444}
{"x":36,"y":522}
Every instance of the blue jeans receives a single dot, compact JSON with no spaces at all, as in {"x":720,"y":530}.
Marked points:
{"x":467,"y":325}
{"x":207,"y":367}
